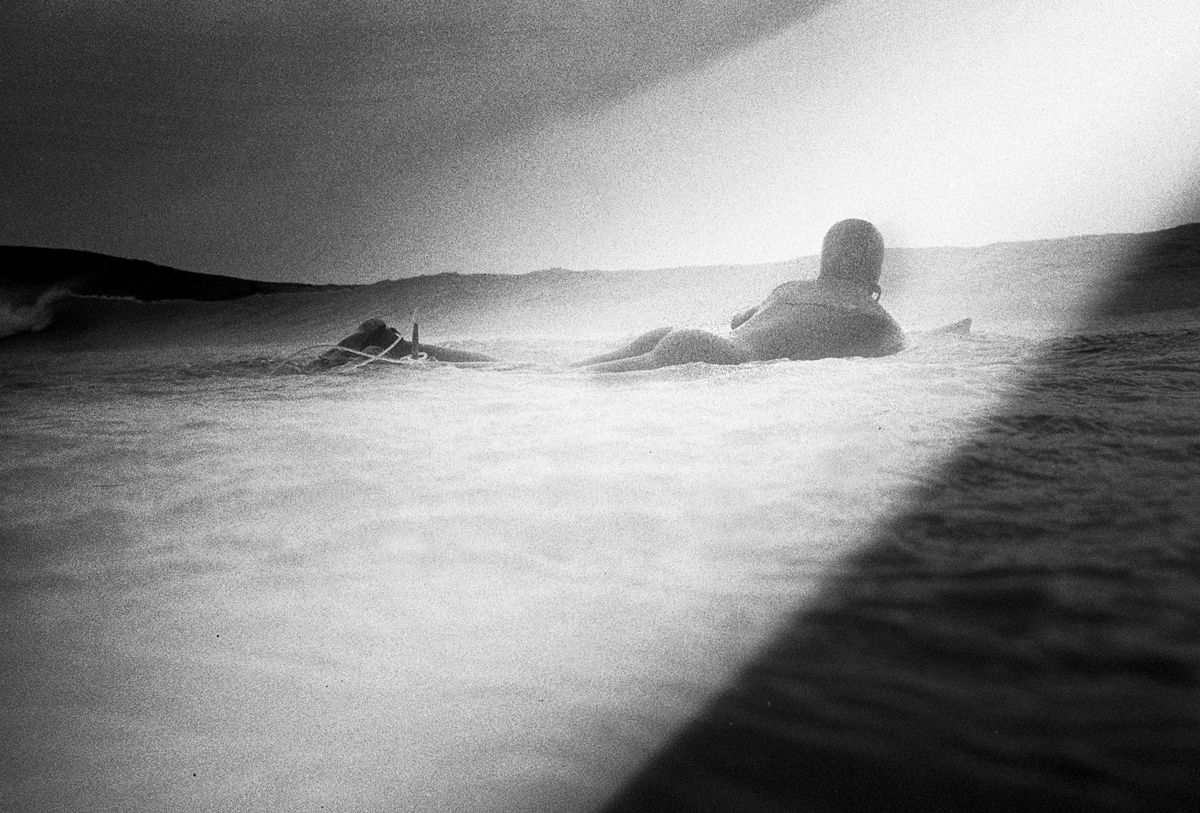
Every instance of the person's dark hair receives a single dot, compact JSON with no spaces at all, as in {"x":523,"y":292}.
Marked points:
{"x":853,"y":249}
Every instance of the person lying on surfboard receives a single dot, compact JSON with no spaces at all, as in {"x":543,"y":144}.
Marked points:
{"x":375,"y":338}
{"x":836,"y":315}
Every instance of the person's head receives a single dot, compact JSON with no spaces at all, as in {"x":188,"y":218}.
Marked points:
{"x":853,"y":250}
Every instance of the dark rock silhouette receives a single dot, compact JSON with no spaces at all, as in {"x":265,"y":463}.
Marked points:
{"x":28,"y":272}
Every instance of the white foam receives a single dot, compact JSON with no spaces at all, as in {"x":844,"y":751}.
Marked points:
{"x":16,"y":319}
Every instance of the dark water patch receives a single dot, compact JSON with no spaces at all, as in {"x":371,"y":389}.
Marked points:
{"x":24,"y":385}
{"x":1084,"y":346}
{"x":1170,"y":453}
{"x":1117,"y":386}
{"x":963,"y":529}
{"x":1132,"y":343}
{"x":87,"y":546}
{"x":1042,"y":424}
{"x":979,"y":465}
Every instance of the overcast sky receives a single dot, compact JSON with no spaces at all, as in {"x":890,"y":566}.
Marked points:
{"x":367,"y":139}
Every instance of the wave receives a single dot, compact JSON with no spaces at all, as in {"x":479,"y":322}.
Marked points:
{"x":16,"y":317}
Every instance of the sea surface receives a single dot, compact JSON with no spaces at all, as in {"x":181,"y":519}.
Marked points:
{"x":228,"y":585}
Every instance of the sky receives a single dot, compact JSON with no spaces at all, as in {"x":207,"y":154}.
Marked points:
{"x":361,"y":140}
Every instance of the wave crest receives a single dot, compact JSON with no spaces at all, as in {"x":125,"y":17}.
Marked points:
{"x":29,"y":318}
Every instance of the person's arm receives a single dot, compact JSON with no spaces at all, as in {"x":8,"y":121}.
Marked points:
{"x":742,"y":317}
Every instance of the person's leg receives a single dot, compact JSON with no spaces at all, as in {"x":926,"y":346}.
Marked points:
{"x":641,"y":345}
{"x":678,"y":347}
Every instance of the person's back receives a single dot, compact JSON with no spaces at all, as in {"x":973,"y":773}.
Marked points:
{"x":836,"y":315}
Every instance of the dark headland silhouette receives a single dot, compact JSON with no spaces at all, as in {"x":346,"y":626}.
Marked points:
{"x":29,"y":272}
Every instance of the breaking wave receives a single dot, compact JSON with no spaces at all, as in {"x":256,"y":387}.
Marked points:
{"x":20,"y":318}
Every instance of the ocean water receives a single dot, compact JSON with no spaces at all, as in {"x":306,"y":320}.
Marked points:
{"x":505,"y":587}
{"x":1023,"y":634}
{"x":422,"y":587}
